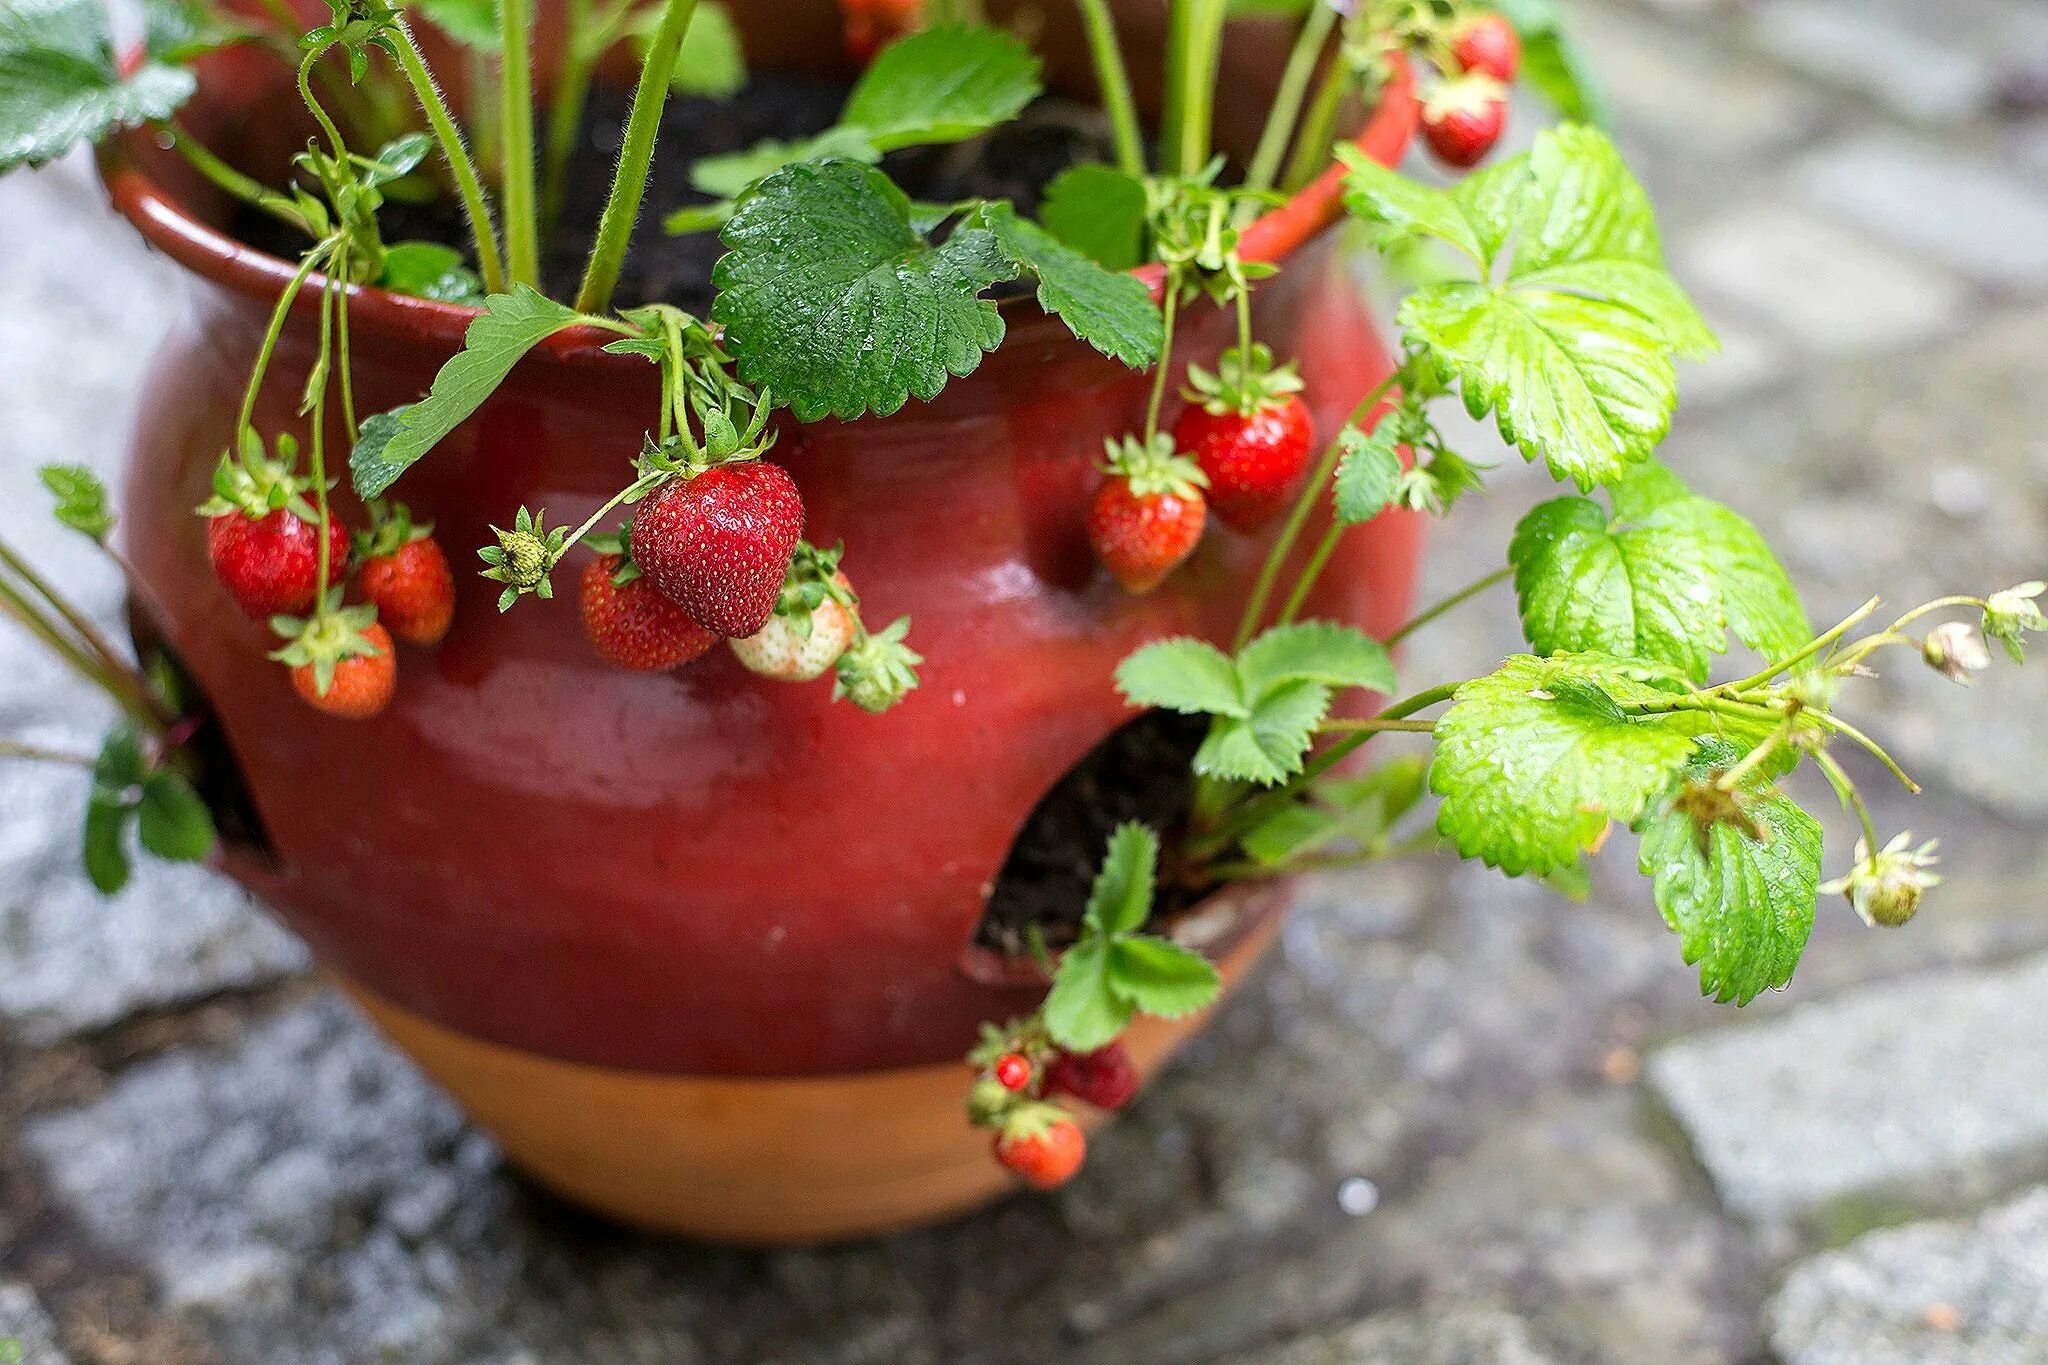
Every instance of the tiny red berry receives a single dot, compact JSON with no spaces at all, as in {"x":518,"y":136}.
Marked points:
{"x":361,"y":685}
{"x":1148,"y":514}
{"x":1487,"y":43}
{"x":633,"y":626}
{"x":413,"y":590}
{"x":1105,"y":1078}
{"x":1013,"y":1069}
{"x":1042,"y":1145}
{"x":1464,"y":118}
{"x":271,"y":564}
{"x":718,"y":543}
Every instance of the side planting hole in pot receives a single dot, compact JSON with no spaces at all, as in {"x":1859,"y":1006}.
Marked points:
{"x":1140,"y":772}
{"x":219,"y":777}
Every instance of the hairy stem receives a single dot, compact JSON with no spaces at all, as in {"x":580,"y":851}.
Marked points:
{"x":1287,"y":99}
{"x":226,"y":178}
{"x":1170,"y":308}
{"x":636,"y":153}
{"x":515,"y":120}
{"x":1375,"y":725}
{"x":1115,"y":83}
{"x":1851,"y":799}
{"x":1819,"y":643}
{"x":489,"y":265}
{"x":244,"y":422}
{"x":1891,"y":765}
{"x":1448,"y":604}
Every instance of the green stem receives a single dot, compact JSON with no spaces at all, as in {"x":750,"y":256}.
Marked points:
{"x":639,"y":486}
{"x":225,"y":177}
{"x":1869,"y":645}
{"x":119,"y":684}
{"x":36,"y":753}
{"x":89,"y":635}
{"x":244,"y":423}
{"x":1193,"y":42}
{"x":317,"y":437}
{"x":515,"y":90}
{"x":1843,"y":727}
{"x":1374,"y":725}
{"x":1304,"y":506}
{"x":489,"y":265}
{"x":1318,"y":129}
{"x":1288,"y":97}
{"x":636,"y":153}
{"x":344,"y":369}
{"x":1819,"y":643}
{"x":319,"y":111}
{"x":1115,"y":82}
{"x":1170,"y":308}
{"x":1756,"y":757}
{"x":565,"y":110}
{"x":1448,"y":604}
{"x":1851,"y":799}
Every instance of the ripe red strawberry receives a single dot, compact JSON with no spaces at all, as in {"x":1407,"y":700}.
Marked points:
{"x":1464,"y":118}
{"x":871,"y":25}
{"x":1040,"y":1143}
{"x":271,"y":563}
{"x":1487,"y":43}
{"x":633,"y":626}
{"x":1012,"y":1070}
{"x":341,"y":659}
{"x":1148,"y":514}
{"x":406,"y":576}
{"x":816,"y":619}
{"x":1105,"y":1078}
{"x":1250,"y":432}
{"x":718,"y":543}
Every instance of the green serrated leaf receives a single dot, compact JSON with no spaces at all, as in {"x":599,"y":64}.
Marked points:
{"x":1315,"y":651}
{"x":429,"y":270}
{"x":1158,"y":977}
{"x":59,"y":85}
{"x":1368,"y":474}
{"x":1268,"y":745}
{"x":510,"y":326}
{"x":1100,"y":212}
{"x":1121,"y":898}
{"x":1081,"y":1012}
{"x":947,"y":83}
{"x":1666,"y":583}
{"x":1186,"y":675}
{"x":1742,"y":906}
{"x":174,"y":822}
{"x":1110,"y":310}
{"x":833,"y":303}
{"x":1404,"y":208}
{"x":81,"y":499}
{"x":1535,"y":759}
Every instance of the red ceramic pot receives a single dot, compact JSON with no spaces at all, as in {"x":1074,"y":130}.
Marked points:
{"x":649,"y":928}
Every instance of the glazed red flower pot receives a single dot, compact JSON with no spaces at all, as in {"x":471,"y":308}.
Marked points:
{"x":696,"y":948}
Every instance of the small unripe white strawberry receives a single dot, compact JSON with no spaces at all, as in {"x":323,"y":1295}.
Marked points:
{"x":800,"y":648}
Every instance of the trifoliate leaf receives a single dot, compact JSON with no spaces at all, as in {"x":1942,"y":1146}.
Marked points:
{"x":1110,"y":310}
{"x":834,"y":304}
{"x":1121,"y":898}
{"x":1081,"y":1012}
{"x":1535,"y":759}
{"x":1404,"y":208}
{"x":1100,"y":212}
{"x":1190,"y":676}
{"x":1742,"y":905}
{"x":59,"y":85}
{"x":949,"y":82}
{"x":1667,"y":582}
{"x":1316,"y":651}
{"x":1159,"y":977}
{"x":1268,"y":745}
{"x":429,"y":270}
{"x":173,"y":822}
{"x":1368,"y":474}
{"x":81,"y":499}
{"x":510,"y":326}
{"x":1359,"y":808}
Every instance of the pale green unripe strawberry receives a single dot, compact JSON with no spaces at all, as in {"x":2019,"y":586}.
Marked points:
{"x":785,"y":651}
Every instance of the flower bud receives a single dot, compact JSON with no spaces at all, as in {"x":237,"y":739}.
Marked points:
{"x":1885,"y":888}
{"x":2008,"y":615}
{"x":1955,"y":650}
{"x":988,"y":1099}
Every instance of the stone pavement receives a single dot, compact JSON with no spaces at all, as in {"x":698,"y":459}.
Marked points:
{"x":1455,"y":1120}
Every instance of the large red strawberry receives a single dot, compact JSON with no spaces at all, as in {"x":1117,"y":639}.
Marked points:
{"x":405,"y":575}
{"x":631,"y":624}
{"x":1248,"y":429}
{"x":1040,"y":1143}
{"x":1148,"y":514}
{"x":1105,"y":1078}
{"x":341,"y":659}
{"x":1463,"y":119}
{"x":1487,"y":43}
{"x":271,"y":563}
{"x":718,"y":543}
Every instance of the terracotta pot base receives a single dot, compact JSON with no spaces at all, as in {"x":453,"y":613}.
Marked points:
{"x":758,"y":1162}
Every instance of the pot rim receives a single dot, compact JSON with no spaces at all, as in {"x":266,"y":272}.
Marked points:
{"x":164,"y":222}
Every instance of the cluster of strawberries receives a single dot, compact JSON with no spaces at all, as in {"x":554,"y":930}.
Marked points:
{"x":1021,"y":1071}
{"x":1240,"y":448}
{"x":1463,"y":116}
{"x":264,"y":542}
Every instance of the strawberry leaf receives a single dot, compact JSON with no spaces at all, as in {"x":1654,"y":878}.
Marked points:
{"x":472,"y":23}
{"x":173,"y":821}
{"x":1186,"y":675}
{"x":1404,"y":209}
{"x":1368,"y":474}
{"x":59,"y":85}
{"x":81,"y":499}
{"x":1268,"y":745}
{"x":950,"y":82}
{"x":510,"y":326}
{"x":1667,"y":581}
{"x":176,"y":31}
{"x":832,"y":301}
{"x":1121,"y":897}
{"x":1100,"y":212}
{"x":1110,"y":310}
{"x":1314,"y":651}
{"x":1081,"y":1011}
{"x":429,"y":270}
{"x":1156,"y":976}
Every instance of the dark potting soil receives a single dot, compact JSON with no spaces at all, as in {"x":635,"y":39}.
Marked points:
{"x":1142,"y":773}
{"x":1013,"y":162}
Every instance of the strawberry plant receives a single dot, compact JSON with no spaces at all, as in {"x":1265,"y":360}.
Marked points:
{"x":840,"y":295}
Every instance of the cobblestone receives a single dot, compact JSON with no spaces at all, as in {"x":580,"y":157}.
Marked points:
{"x":1920,"y":77}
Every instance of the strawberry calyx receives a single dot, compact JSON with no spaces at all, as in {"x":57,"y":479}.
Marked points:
{"x":1153,"y":469}
{"x":1031,"y":1119}
{"x":878,"y":669}
{"x":618,"y":543}
{"x":813,"y":580}
{"x":1241,"y":383}
{"x":390,"y":530}
{"x":523,"y":557}
{"x":325,"y":638}
{"x":256,"y":485}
